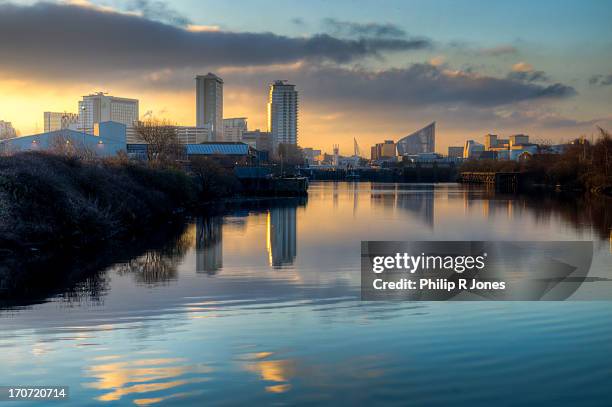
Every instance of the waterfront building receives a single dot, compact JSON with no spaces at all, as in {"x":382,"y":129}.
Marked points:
{"x":209,"y":104}
{"x":228,"y":154}
{"x":108,"y":139}
{"x":421,"y":141}
{"x":100,"y":107}
{"x":312,"y":156}
{"x":518,"y":139}
{"x":455,"y":152}
{"x":58,"y":121}
{"x":283,"y":113}
{"x":234,"y":128}
{"x":7,"y":130}
{"x":491,"y":141}
{"x":472,"y":149}
{"x":383,"y":150}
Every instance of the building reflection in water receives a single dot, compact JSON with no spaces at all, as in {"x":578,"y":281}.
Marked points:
{"x":209,"y":244}
{"x":419,"y":201}
{"x":420,"y":204}
{"x":281,"y":239}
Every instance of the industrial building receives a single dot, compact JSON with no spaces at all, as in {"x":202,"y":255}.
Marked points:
{"x":108,"y":139}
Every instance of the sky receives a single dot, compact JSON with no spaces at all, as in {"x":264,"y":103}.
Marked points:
{"x":369,"y":70}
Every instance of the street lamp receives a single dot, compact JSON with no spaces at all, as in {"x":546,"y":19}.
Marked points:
{"x":83,"y":109}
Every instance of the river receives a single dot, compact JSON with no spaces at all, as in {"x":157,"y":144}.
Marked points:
{"x":262,"y":306}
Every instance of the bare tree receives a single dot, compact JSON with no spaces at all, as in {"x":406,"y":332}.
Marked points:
{"x":161,"y":139}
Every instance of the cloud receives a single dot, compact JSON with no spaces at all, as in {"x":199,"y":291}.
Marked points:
{"x":533,"y":76}
{"x":158,"y":11}
{"x":299,"y":21}
{"x":601,"y":80}
{"x":63,"y":40}
{"x":415,"y":86}
{"x":524,"y":72}
{"x":522,"y":67}
{"x":352,"y":29}
{"x":426,"y":84}
{"x":498,"y":51}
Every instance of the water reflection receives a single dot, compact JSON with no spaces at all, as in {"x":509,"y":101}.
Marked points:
{"x":117,"y":377}
{"x":281,"y":236}
{"x":158,"y":266}
{"x":209,"y":245}
{"x":162,"y":331}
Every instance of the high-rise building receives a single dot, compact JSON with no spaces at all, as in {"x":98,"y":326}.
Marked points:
{"x":209,"y":104}
{"x":421,"y":141}
{"x":100,"y":107}
{"x":60,"y":121}
{"x":7,"y":130}
{"x":283,"y":113}
{"x":233,"y":128}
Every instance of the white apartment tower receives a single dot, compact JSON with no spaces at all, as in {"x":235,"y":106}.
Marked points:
{"x":209,"y":104}
{"x":99,"y":107}
{"x":283,"y":113}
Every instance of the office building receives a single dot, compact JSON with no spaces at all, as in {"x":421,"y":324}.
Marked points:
{"x":100,"y":107}
{"x":383,"y":150}
{"x":283,"y":113}
{"x":259,"y":140}
{"x":519,"y":139}
{"x":193,"y":134}
{"x":472,"y":149}
{"x":455,"y":152}
{"x":184,"y":135}
{"x":6,"y":130}
{"x":233,"y":128}
{"x":58,"y":121}
{"x":209,"y":104}
{"x":421,"y":141}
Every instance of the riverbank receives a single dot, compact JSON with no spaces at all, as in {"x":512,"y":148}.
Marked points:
{"x":582,"y":167}
{"x":52,"y":201}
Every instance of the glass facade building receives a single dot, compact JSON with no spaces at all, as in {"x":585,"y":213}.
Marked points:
{"x":421,"y":141}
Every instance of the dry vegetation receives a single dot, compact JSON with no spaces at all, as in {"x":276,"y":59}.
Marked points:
{"x":583,"y":165}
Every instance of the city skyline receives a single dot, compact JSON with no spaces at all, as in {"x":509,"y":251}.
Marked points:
{"x":361,"y":72}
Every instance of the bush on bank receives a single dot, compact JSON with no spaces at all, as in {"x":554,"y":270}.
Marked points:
{"x":64,"y":200}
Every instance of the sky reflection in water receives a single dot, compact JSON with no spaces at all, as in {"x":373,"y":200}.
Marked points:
{"x":262,"y":306}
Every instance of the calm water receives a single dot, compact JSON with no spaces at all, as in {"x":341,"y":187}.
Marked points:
{"x":262,"y":307}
